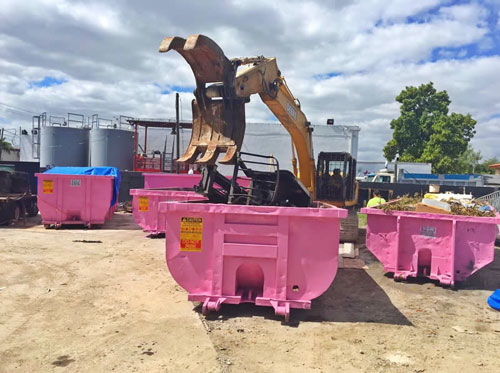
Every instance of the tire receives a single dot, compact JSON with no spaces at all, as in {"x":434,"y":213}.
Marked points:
{"x":32,"y":208}
{"x":17,"y":212}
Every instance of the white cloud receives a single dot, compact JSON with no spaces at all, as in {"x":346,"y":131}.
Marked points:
{"x":468,"y":13}
{"x":94,"y":14}
{"x":107,"y":53}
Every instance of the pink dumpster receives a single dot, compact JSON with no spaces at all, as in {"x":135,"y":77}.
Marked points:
{"x":281,"y":257}
{"x":168,"y":180}
{"x":145,"y":206}
{"x":75,"y":199}
{"x":447,"y":248}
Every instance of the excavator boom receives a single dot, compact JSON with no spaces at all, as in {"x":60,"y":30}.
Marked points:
{"x":219,"y":106}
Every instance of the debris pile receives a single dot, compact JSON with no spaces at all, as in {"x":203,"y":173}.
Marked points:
{"x":441,"y":203}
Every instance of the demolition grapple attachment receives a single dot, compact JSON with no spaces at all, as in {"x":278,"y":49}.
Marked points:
{"x":218,"y":120}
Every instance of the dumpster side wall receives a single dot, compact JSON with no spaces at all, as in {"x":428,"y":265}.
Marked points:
{"x":280,"y":256}
{"x":382,"y":239}
{"x":166,"y":180}
{"x":475,"y":247}
{"x":145,"y":206}
{"x":447,"y":248}
{"x":63,"y":199}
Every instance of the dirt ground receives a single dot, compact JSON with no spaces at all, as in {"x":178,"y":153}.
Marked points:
{"x":111,"y":305}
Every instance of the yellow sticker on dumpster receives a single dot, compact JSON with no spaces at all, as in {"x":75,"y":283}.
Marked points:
{"x":48,"y":186}
{"x":143,"y":203}
{"x":191,"y":234}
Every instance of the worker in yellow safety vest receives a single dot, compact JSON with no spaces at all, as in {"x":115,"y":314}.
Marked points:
{"x":376,"y":200}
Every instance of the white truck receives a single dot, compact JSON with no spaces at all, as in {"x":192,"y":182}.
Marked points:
{"x":388,"y":174}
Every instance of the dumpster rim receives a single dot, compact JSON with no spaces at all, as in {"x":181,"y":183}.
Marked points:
{"x":424,"y":215}
{"x":159,"y":192}
{"x":72,"y":175}
{"x":330,"y":211}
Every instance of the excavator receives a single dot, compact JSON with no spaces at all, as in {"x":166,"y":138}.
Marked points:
{"x":223,"y":87}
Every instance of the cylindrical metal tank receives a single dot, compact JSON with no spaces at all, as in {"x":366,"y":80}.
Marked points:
{"x":111,"y":148}
{"x":64,"y":146}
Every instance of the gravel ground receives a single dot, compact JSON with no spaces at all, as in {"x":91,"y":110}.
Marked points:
{"x":111,"y":305}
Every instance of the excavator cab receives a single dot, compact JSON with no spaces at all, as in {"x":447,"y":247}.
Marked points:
{"x":336,"y":178}
{"x":336,"y":185}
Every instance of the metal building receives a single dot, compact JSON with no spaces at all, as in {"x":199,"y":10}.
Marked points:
{"x":273,"y":139}
{"x":111,"y":148}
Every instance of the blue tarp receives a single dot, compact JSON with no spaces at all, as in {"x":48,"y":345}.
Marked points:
{"x":408,"y":175}
{"x":460,"y":176}
{"x":494,"y":300}
{"x":96,"y":171}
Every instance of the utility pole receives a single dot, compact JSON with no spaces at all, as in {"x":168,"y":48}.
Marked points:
{"x":177,"y":141}
{"x":1,"y":143}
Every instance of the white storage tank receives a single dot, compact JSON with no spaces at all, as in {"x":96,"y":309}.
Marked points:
{"x":64,"y":146}
{"x":111,"y":147}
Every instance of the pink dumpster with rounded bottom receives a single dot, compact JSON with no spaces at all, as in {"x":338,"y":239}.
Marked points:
{"x":145,"y":204}
{"x":75,"y":199}
{"x":281,"y":257}
{"x":447,"y":248}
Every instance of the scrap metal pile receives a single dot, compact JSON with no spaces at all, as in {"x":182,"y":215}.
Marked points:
{"x":441,"y":203}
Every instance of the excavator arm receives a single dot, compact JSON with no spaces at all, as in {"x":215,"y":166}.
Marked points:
{"x":218,"y":110}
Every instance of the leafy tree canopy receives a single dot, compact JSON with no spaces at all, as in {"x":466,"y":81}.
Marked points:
{"x":5,"y":146}
{"x":469,"y":162}
{"x":483,"y":167}
{"x":425,"y":132}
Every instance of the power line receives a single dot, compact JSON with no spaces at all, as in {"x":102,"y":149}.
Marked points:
{"x":16,"y":112}
{"x":18,"y":108}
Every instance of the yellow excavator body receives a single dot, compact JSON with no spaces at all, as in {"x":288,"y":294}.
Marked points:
{"x":223,"y":86}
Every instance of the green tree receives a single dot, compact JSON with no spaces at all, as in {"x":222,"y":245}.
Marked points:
{"x":5,"y":146}
{"x":425,"y":132}
{"x":469,"y":161}
{"x":483,"y":167}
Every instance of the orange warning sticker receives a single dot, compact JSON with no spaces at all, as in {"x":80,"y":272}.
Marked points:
{"x":48,"y":186}
{"x":191,"y":234}
{"x":143,"y":203}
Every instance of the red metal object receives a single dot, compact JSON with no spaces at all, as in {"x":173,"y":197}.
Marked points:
{"x":147,"y":164}
{"x":154,"y":162}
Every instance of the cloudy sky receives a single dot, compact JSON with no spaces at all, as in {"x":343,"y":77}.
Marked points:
{"x":343,"y":59}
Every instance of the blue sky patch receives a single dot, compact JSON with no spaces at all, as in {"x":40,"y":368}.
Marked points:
{"x":489,"y":45}
{"x":467,"y":51}
{"x":48,"y":81}
{"x":426,"y":15}
{"x":326,"y":76}
{"x":174,"y":88}
{"x":459,"y":53}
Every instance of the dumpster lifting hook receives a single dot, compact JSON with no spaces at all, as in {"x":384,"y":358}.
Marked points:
{"x":211,"y":305}
{"x":281,"y":309}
